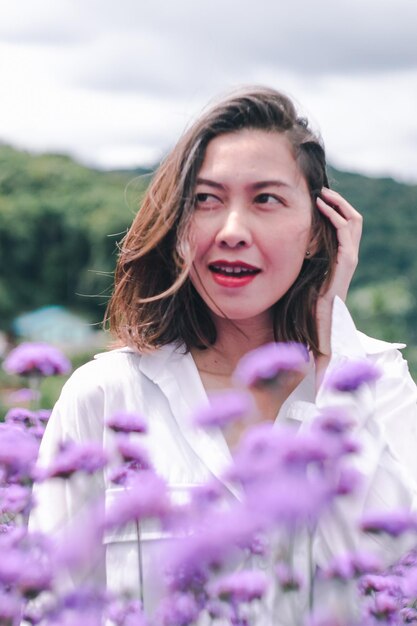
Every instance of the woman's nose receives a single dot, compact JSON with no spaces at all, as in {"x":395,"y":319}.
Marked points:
{"x":234,"y":231}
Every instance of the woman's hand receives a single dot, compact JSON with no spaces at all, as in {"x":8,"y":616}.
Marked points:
{"x":348,"y":225}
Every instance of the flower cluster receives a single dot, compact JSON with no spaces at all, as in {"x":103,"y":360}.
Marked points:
{"x":240,"y":549}
{"x":36,"y":359}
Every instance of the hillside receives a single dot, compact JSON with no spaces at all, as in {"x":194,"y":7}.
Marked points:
{"x":60,"y":222}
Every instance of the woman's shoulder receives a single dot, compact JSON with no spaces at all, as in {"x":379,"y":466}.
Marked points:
{"x":121,"y":367}
{"x":108,"y":365}
{"x":118,"y":380}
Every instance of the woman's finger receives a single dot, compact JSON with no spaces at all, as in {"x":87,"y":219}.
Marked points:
{"x":350,"y":221}
{"x":338,"y":203}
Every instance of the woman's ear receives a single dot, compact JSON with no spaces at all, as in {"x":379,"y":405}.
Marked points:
{"x":312,"y":247}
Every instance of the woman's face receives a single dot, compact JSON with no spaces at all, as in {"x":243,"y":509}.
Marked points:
{"x":251,"y":225}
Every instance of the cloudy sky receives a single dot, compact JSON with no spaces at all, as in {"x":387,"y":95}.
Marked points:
{"x":114,"y":82}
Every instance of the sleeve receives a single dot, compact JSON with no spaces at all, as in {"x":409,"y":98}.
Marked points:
{"x":385,"y":415}
{"x":60,"y":503}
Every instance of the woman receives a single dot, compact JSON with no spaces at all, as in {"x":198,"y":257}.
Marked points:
{"x":238,"y":242}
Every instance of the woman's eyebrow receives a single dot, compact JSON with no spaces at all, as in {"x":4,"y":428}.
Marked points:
{"x":270,"y":183}
{"x":256,"y":186}
{"x":209,"y":183}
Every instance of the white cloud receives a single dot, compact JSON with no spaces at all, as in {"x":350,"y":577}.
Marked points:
{"x":115,"y":83}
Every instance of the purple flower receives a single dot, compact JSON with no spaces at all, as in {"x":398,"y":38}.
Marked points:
{"x":124,"y":422}
{"x":393,"y":523}
{"x":265,"y":449}
{"x":43,"y":415}
{"x":35,"y":577}
{"x":203,"y":496}
{"x":11,"y":564}
{"x":18,"y":452}
{"x":294,"y":499}
{"x":40,"y":359}
{"x":11,"y":536}
{"x":210,"y":543}
{"x":10,"y":606}
{"x":146,"y":496}
{"x":20,"y":416}
{"x":408,"y":615}
{"x":217,"y":609}
{"x":133,"y":452}
{"x":178,"y":610}
{"x":409,"y":583}
{"x":409,"y":559}
{"x":351,"y":375}
{"x":126,"y":613}
{"x":76,"y":457}
{"x":23,"y":396}
{"x":271,"y":463}
{"x":265,"y":364}
{"x":15,"y":499}
{"x":35,"y":421}
{"x":289,"y":580}
{"x":334,"y":421}
{"x":79,"y":544}
{"x":224,"y":408}
{"x":351,"y":565}
{"x":259,"y":546}
{"x":23,"y":570}
{"x":120,"y":475}
{"x":77,"y":618}
{"x":85,"y":599}
{"x":373,"y":582}
{"x":348,"y":481}
{"x":383,"y":606}
{"x":258,"y":454}
{"x":242,"y":586}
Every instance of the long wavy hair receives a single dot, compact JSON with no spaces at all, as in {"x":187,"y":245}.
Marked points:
{"x":154,"y":301}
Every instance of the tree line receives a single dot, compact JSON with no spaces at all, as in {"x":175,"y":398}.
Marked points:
{"x":60,"y":223}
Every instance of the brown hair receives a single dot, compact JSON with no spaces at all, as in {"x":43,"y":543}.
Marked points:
{"x":154,"y":301}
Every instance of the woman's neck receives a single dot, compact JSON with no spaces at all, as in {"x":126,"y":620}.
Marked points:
{"x":233,"y":341}
{"x":217,"y":363}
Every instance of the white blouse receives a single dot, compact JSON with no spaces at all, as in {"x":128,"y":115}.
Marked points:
{"x":165,"y":387}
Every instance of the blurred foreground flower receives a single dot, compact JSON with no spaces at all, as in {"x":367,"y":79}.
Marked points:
{"x":178,"y":610}
{"x":124,"y":422}
{"x":84,"y":457}
{"x":288,"y":578}
{"x":223,"y":559}
{"x":18,"y":453}
{"x":224,"y":408}
{"x":36,"y":359}
{"x":34,"y":421}
{"x":264,"y":365}
{"x":352,"y":375}
{"x":23,"y":396}
{"x":15,"y":499}
{"x":146,"y":496}
{"x":393,"y":523}
{"x":243,"y":586}
{"x":351,"y":565}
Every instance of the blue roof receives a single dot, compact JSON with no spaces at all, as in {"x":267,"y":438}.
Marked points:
{"x":52,"y":323}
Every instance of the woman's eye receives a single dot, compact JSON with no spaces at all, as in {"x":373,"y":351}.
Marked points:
{"x":267,"y":198}
{"x":205,"y":200}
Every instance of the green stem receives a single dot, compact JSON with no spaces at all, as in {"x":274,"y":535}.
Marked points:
{"x":140,"y":566}
{"x":35,"y":384}
{"x":311,"y":577}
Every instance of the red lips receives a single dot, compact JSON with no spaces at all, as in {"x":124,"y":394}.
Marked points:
{"x":232,"y":273}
